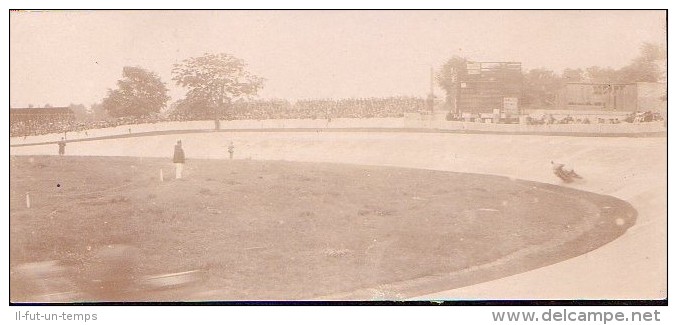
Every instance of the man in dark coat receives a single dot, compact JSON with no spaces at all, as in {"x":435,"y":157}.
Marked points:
{"x":179,"y":159}
{"x":62,"y":147}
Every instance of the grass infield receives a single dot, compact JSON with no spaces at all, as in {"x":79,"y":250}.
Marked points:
{"x":274,"y":230}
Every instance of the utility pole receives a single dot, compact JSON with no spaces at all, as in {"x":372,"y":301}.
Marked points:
{"x":432,"y":91}
{"x":431,"y":96}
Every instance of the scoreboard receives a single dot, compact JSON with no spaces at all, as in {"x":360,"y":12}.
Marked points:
{"x":483,"y":87}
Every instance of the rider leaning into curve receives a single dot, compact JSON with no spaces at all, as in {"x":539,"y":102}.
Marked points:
{"x":557,"y":167}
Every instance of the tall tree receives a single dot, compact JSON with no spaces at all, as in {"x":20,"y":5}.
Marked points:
{"x":573,"y":75}
{"x":541,"y":87}
{"x":192,"y":108}
{"x":598,"y":74}
{"x":652,"y":52}
{"x":140,"y":92}
{"x":98,"y":113}
{"x":216,"y":79}
{"x":448,"y":77}
{"x":80,"y":112}
{"x":649,"y":66}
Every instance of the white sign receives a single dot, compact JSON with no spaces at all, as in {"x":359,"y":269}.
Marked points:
{"x":473,"y":67}
{"x":510,"y":105}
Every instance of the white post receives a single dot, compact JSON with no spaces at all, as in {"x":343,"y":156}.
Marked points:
{"x":162,"y":177}
{"x":28,"y":200}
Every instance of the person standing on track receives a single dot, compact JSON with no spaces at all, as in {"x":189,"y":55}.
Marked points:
{"x":231,"y":150}
{"x":62,"y":147}
{"x":179,"y":159}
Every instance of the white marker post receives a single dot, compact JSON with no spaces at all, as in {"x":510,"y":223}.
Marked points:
{"x":162,"y":177}
{"x":28,"y":200}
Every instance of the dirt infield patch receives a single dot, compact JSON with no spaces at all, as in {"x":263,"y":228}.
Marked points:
{"x":261,"y":230}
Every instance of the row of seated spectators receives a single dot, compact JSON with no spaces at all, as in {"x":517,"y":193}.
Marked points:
{"x":648,"y":116}
{"x":639,"y":117}
{"x":324,"y":108}
{"x":54,"y":124}
{"x":41,"y":124}
{"x":240,"y":110}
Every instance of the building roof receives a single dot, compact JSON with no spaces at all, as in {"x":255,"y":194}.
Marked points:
{"x":40,"y":111}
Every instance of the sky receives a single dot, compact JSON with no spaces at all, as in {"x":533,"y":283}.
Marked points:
{"x":64,"y":57}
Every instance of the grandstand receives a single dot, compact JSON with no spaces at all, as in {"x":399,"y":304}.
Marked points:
{"x":33,"y":121}
{"x":60,"y":120}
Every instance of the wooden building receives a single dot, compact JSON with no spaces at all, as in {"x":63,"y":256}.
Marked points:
{"x":630,"y":97}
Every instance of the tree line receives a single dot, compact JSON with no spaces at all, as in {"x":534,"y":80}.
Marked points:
{"x":214,"y":81}
{"x":540,"y":85}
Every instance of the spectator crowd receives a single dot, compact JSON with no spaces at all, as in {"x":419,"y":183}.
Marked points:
{"x":239,"y":110}
{"x":269,"y":109}
{"x":39,"y":124}
{"x":324,"y":108}
{"x":635,"y":117}
{"x":547,"y":119}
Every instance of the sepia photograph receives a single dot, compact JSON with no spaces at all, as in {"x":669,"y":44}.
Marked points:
{"x":337,"y":156}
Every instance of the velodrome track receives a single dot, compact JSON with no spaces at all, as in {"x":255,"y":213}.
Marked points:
{"x":633,"y":169}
